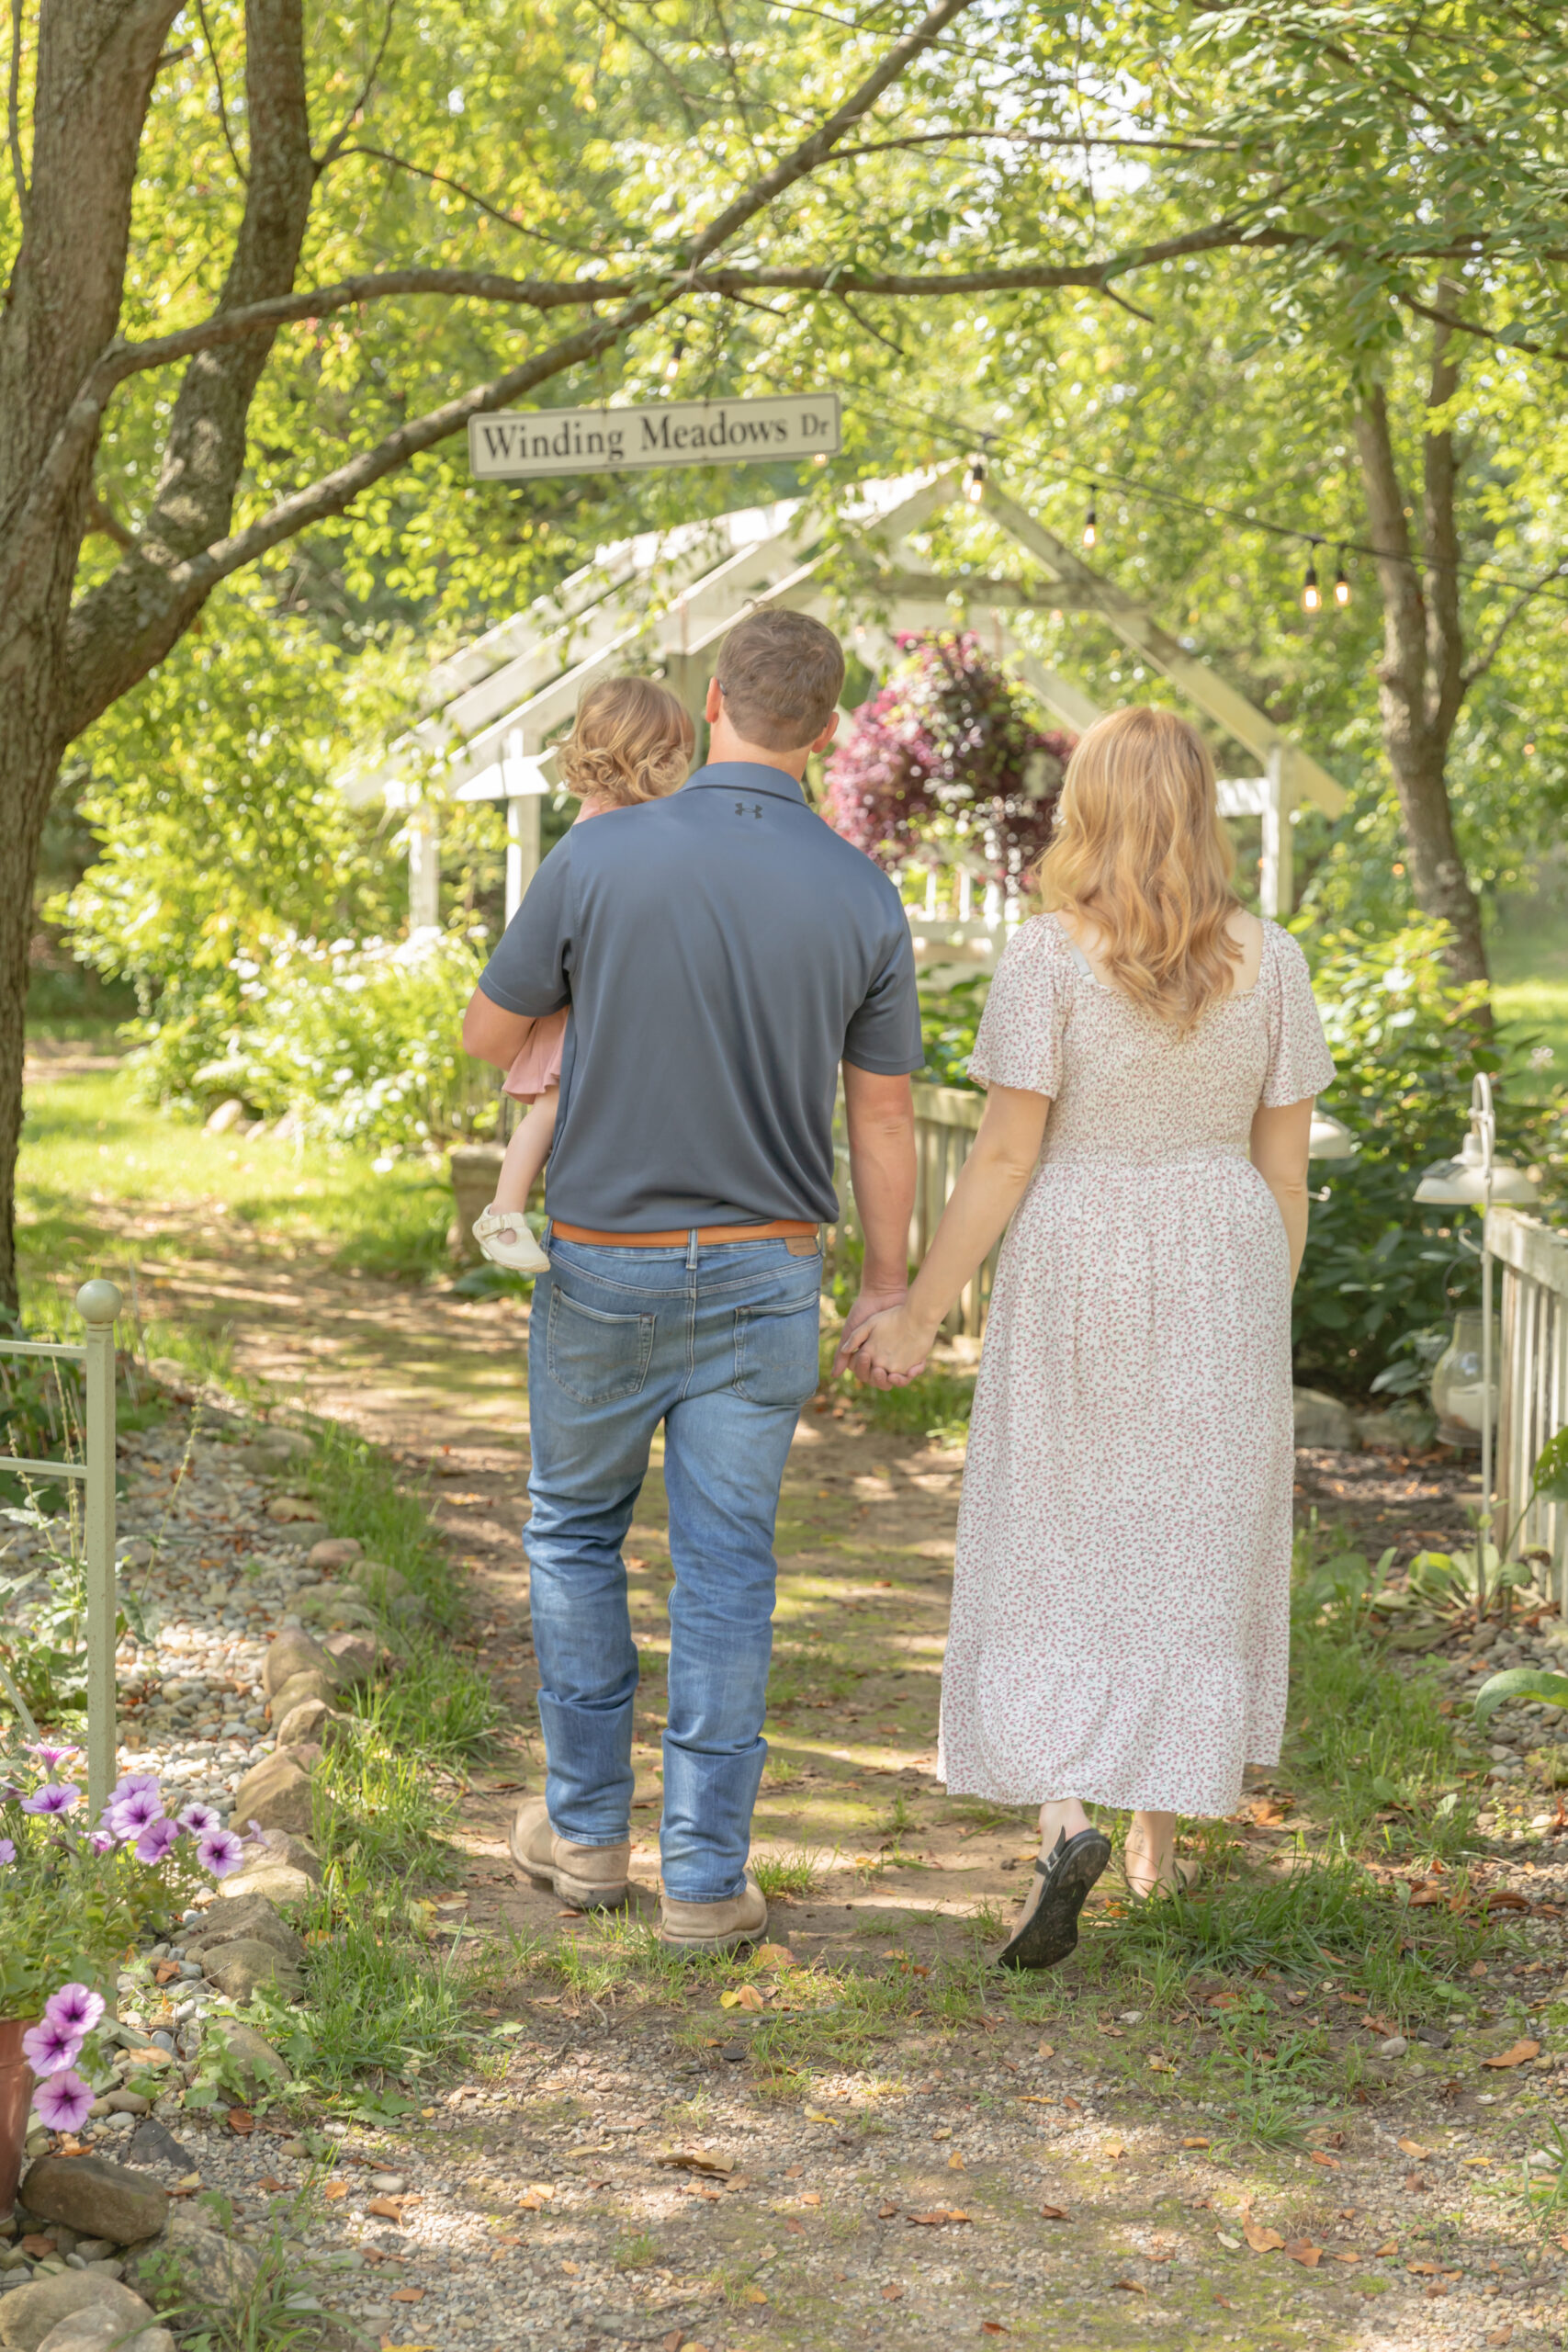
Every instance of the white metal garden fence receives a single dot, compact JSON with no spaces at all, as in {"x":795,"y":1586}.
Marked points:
{"x":1532,"y":1258}
{"x":97,"y":1302}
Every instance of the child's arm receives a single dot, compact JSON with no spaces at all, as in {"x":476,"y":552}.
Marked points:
{"x":528,"y":1152}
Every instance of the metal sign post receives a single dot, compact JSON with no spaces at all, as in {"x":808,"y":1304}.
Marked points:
{"x":514,"y":445}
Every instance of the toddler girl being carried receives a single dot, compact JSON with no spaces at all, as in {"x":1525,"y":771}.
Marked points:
{"x":632,"y":741}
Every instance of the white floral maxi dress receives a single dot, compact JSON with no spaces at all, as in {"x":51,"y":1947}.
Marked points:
{"x":1121,"y":1618}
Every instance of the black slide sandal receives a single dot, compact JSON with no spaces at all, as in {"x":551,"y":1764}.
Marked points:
{"x":1051,"y":1931}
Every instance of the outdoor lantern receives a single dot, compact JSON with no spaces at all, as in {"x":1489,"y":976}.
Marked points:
{"x":1477,"y":1179}
{"x":1330,"y":1138}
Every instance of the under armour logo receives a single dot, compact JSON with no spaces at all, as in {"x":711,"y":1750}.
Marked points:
{"x":756,"y":808}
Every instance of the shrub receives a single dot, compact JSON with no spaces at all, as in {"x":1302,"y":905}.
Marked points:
{"x":361,"y":1043}
{"x":1407,"y":1044}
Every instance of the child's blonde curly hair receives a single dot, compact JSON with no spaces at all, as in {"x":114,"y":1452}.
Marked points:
{"x":632,"y":741}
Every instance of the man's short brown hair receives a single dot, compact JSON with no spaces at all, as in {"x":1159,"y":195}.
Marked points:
{"x":781,"y":675}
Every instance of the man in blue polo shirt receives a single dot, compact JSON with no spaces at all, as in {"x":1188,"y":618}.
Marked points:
{"x":723,"y":954}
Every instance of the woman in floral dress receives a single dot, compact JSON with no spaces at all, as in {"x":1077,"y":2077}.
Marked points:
{"x":1120,"y":1593}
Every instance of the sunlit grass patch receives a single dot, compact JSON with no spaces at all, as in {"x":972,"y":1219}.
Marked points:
{"x":797,"y":1874}
{"x":375,"y":1810}
{"x":380,"y":2001}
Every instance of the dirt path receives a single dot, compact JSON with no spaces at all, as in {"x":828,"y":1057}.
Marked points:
{"x":1037,"y":2160}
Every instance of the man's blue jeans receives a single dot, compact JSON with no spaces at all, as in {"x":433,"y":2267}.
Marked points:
{"x":720,"y":1345}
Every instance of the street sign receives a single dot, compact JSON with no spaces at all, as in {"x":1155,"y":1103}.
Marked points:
{"x":520,"y":445}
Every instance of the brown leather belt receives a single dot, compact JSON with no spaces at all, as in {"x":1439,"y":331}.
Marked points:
{"x":782,"y":1229}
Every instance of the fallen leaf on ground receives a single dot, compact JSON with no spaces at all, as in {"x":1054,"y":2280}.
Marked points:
{"x":274,"y":2187}
{"x":885,"y":2212}
{"x":742,"y":1996}
{"x":1343,"y":2254}
{"x":1113,"y":2151}
{"x":390,"y":2208}
{"x":1379,"y":2251}
{"x":811,"y":2197}
{"x":994,"y":2327}
{"x":1046,"y":2049}
{"x":1414,"y":2148}
{"x":1516,"y":2056}
{"x":774,"y":1955}
{"x":1075,"y":2104}
{"x":1261,"y":2239}
{"x":937,"y":2220}
{"x":955,"y":2162}
{"x":752,"y":2295}
{"x":1194,"y":2144}
{"x":1319,"y":2157}
{"x":335,"y":2189}
{"x":1232,"y":2246}
{"x":1052,"y":2212}
{"x":166,"y":1972}
{"x":1128,"y":2286}
{"x":408,"y":2295}
{"x":892,"y":2294}
{"x":698,"y":2160}
{"x":815,"y":2115}
{"x":241,"y":2121}
{"x":1414,"y":2182}
{"x":672,"y":2342}
{"x":1303,"y":2250}
{"x":1036,"y":2098}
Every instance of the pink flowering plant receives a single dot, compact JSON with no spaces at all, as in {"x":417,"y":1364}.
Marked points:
{"x":76,"y":1893}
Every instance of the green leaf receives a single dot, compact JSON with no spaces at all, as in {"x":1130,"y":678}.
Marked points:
{"x":1520,"y":1683}
{"x":1551,"y":1468}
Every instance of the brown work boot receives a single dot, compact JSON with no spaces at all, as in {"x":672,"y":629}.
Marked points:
{"x":590,"y":1878}
{"x":714,"y":1926}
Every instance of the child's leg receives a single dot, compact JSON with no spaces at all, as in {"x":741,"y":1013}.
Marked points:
{"x":528,"y":1152}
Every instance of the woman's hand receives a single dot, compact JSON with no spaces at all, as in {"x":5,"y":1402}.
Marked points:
{"x":889,"y":1351}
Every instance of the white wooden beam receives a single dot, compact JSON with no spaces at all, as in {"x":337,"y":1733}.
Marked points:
{"x":1138,"y":629}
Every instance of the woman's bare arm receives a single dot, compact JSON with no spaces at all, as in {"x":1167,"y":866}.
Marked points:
{"x":1278,"y":1148}
{"x":990,"y":1185}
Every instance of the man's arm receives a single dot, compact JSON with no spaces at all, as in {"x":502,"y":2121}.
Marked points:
{"x":880,"y":1115}
{"x":492,"y":1033}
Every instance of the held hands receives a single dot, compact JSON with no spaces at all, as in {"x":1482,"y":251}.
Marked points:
{"x":889,"y":1351}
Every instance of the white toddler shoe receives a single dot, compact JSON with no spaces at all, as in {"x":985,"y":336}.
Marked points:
{"x":506,"y":1239}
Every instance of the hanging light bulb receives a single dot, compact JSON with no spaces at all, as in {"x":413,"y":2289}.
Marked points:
{"x":1091,"y":528}
{"x":974,"y":480}
{"x":1341,"y":584}
{"x":1312,"y":595}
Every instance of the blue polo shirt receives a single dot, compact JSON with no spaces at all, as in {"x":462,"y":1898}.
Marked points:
{"x":721,"y":951}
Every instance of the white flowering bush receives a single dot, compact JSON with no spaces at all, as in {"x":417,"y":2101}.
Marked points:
{"x":361,"y":1042}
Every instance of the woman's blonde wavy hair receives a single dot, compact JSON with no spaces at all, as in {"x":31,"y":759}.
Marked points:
{"x":1139,"y":849}
{"x":631,"y":741}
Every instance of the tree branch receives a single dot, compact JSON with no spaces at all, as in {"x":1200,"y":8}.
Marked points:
{"x":1524,"y":598}
{"x":1445,"y":630}
{"x":13,"y":113}
{"x":331,"y":151}
{"x":1456,"y":325}
{"x":472,"y":196}
{"x":222,"y":95}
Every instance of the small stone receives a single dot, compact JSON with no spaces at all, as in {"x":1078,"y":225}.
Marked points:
{"x":388,"y":2184}
{"x":280,"y":1881}
{"x":214,"y":2267}
{"x":1395,"y":2047}
{"x":293,"y":1509}
{"x":333,"y":1551}
{"x":239,"y":1968}
{"x":249,"y":1915}
{"x":258,"y":2061}
{"x":99,"y":2199}
{"x":98,"y":2329}
{"x":354,"y":1655}
{"x":29,"y":2314}
{"x":128,"y":2103}
{"x":384,"y":1585}
{"x":152,"y":2144}
{"x":293,"y":1652}
{"x":1322,"y":1420}
{"x":311,"y":1723}
{"x":275,"y":1794}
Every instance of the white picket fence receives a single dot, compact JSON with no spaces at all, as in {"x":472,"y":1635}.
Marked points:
{"x":1532,"y":1259}
{"x":946,"y":1118}
{"x":97,"y":1302}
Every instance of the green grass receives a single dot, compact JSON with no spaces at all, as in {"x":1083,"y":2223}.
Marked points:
{"x":90,"y":1144}
{"x":1528,"y":948}
{"x":376,"y":2001}
{"x":789,"y":1874}
{"x":388,"y":1516}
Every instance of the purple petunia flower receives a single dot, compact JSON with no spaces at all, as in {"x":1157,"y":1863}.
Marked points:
{"x":134,"y":1813}
{"x":129,"y":1783}
{"x":156,"y":1841}
{"x":199,"y":1819}
{"x":100,"y":1842}
{"x":55,"y":1798}
{"x":63,"y":2102}
{"x":220,"y":1852}
{"x":50,"y":1757}
{"x":51,"y":2046}
{"x":7,"y":1850}
{"x":75,"y":2006}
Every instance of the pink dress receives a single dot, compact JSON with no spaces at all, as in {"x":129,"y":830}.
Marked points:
{"x":1120,"y":1614}
{"x":536,"y":1066}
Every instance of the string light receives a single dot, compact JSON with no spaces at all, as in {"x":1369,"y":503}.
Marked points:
{"x":1341,"y":584}
{"x":1091,"y":528}
{"x":1312,"y":595}
{"x":974,"y":480}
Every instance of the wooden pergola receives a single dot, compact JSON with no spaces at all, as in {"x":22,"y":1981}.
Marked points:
{"x":665,"y":602}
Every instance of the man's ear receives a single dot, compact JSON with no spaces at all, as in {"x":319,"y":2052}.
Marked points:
{"x":714,"y":706}
{"x":826,"y":735}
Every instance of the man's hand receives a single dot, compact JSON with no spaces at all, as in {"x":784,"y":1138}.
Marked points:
{"x":892,"y":1349}
{"x":869,"y":1303}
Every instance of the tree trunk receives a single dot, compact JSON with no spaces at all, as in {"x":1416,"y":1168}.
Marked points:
{"x":95,"y":65}
{"x":1421,"y":678}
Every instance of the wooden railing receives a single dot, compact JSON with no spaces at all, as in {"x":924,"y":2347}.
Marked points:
{"x":1532,"y":1259}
